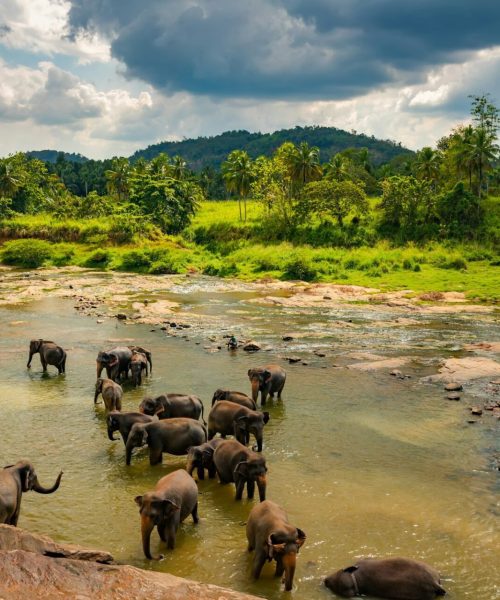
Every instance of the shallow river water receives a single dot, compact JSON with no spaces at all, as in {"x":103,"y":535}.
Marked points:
{"x":365,"y":464}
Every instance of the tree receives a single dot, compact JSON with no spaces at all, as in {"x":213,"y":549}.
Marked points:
{"x":338,"y":167}
{"x":118,"y":178}
{"x":485,"y":113}
{"x":334,"y":199}
{"x":179,"y":167}
{"x":304,"y":165}
{"x":483,"y":152}
{"x":238,"y":173}
{"x":428,"y":164}
{"x":10,"y":181}
{"x":460,"y":212}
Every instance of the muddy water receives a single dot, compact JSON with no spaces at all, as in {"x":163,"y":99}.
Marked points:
{"x":364,"y":464}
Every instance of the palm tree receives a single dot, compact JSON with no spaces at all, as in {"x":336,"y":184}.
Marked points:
{"x":460,"y":151}
{"x":9,"y":181}
{"x":160,"y":165}
{"x":118,"y":178}
{"x":304,"y":164}
{"x":338,"y":167}
{"x":427,"y":164}
{"x":179,"y":167}
{"x":483,"y":152}
{"x":238,"y":174}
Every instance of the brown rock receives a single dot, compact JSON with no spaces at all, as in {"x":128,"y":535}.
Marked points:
{"x":251,"y":346}
{"x":453,"y":396}
{"x":30,"y":570}
{"x":475,"y":410}
{"x":287,"y":338}
{"x":121,"y":316}
{"x":453,"y":387}
{"x":293,"y":359}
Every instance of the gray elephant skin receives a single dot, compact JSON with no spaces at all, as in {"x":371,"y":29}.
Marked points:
{"x":228,"y":418}
{"x":14,"y":480}
{"x":174,"y":498}
{"x":174,"y":436}
{"x":138,"y":365}
{"x":147,"y":354}
{"x":123,"y":422}
{"x":202,"y":457}
{"x":115,"y":361}
{"x":50,"y":354}
{"x":393,"y":578}
{"x":267,"y":380}
{"x":167,"y":406}
{"x":271,"y":535}
{"x":111,"y":393}
{"x":232,"y":396}
{"x":235,"y":463}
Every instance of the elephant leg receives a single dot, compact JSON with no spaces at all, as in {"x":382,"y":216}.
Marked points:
{"x":44,"y":363}
{"x":250,"y":488}
{"x":280,"y":390}
{"x":162,"y":532}
{"x":279,"y":567}
{"x":194,"y":514}
{"x":155,"y":456}
{"x":258,"y":563}
{"x":201,"y":473}
{"x":170,"y":538}
{"x":250,"y":548}
{"x":14,"y":517}
{"x":212,"y":471}
{"x":211,"y":433}
{"x":240,"y":485}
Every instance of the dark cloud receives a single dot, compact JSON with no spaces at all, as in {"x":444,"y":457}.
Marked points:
{"x":287,"y":49}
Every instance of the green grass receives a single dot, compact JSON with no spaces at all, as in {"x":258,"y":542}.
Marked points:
{"x":218,"y":243}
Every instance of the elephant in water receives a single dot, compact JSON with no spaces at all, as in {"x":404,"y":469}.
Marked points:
{"x":228,"y":418}
{"x":272,"y":536}
{"x":267,"y":380}
{"x":111,"y":393}
{"x":394,"y":578}
{"x":50,"y":354}
{"x":115,"y":361}
{"x":14,"y":480}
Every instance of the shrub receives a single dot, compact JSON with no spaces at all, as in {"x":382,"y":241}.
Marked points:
{"x":301,"y":268}
{"x":99,"y":258}
{"x":134,"y":260}
{"x":28,"y":253}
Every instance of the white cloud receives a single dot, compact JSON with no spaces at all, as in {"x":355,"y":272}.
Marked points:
{"x":41,"y":27}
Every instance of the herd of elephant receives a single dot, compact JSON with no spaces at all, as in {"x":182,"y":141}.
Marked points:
{"x":171,"y":423}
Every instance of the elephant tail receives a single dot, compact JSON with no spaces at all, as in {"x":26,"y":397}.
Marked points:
{"x":203,"y":414}
{"x":440,"y":591}
{"x":205,"y":430}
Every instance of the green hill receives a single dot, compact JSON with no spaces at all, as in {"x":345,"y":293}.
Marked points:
{"x":51,"y":156}
{"x":212,"y":151}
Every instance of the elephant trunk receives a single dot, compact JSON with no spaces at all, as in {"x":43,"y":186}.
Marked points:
{"x":29,"y":360}
{"x":110,"y":434}
{"x":41,"y":490}
{"x":128,"y":450}
{"x":261,"y":484}
{"x":289,"y":561}
{"x":259,"y":442}
{"x":255,"y":390}
{"x":96,"y":395}
{"x":99,"y":367}
{"x":146,"y":529}
{"x":190,"y":465}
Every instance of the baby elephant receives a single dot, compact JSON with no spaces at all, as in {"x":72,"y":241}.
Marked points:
{"x":270,"y":534}
{"x":111,"y":393}
{"x":50,"y":354}
{"x":228,"y":418}
{"x":236,"y":397}
{"x":123,"y":422}
{"x":267,"y":380}
{"x":174,"y":436}
{"x":138,"y":364}
{"x":167,"y":406}
{"x":236,"y":463}
{"x":14,"y":480}
{"x":173,"y":499}
{"x":201,"y":458}
{"x":394,"y":578}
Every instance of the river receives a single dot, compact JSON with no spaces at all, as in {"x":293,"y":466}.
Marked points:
{"x":365,"y":463}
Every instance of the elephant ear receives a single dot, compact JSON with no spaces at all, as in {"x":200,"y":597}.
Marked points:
{"x":274,"y":548}
{"x":138,"y":501}
{"x":350,"y":569}
{"x":169,"y":506}
{"x":27,"y":477}
{"x":242,"y":422}
{"x":301,"y":538}
{"x":267,"y":376}
{"x":266,"y":417}
{"x":243,"y":465}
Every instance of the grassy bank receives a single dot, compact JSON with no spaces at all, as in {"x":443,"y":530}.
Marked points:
{"x":217,"y":243}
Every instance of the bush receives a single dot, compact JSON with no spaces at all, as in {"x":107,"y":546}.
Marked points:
{"x":98,"y":258}
{"x":300,"y":268}
{"x":135,"y":260}
{"x":28,"y":253}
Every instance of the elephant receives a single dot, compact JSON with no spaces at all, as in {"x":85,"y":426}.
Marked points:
{"x":115,"y":361}
{"x":122,"y":422}
{"x":111,"y":393}
{"x":146,"y":353}
{"x":394,"y":578}
{"x":167,"y":406}
{"x":15,"y":479}
{"x":236,"y":463}
{"x":174,"y":436}
{"x":201,"y":458}
{"x":271,"y":535}
{"x":267,"y":380}
{"x":138,"y":364}
{"x":228,"y":418}
{"x":236,"y":397}
{"x":50,"y":354}
{"x":174,"y":498}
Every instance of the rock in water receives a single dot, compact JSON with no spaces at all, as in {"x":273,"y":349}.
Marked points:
{"x":453,"y":387}
{"x":251,"y":346}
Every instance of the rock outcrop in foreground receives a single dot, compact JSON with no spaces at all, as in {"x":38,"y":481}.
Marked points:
{"x":34,"y":566}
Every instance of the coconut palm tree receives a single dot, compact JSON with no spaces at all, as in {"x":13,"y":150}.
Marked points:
{"x":9,"y":181}
{"x":338,"y":167}
{"x":179,"y":167}
{"x":304,"y":164}
{"x":117,"y":178}
{"x":238,"y":173}
{"x":428,"y":164}
{"x":483,"y":152}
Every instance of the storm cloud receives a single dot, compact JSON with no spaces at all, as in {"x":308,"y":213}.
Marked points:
{"x":287,"y":49}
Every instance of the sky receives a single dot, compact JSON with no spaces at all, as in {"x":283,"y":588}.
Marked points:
{"x":107,"y":77}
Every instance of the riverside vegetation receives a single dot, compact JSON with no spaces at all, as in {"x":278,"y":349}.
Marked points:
{"x":427,"y":221}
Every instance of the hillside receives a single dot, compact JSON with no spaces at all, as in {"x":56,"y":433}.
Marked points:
{"x":211,"y":151}
{"x":50,"y":156}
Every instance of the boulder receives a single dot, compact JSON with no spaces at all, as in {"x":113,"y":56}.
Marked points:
{"x":36,"y":567}
{"x":453,"y":386}
{"x":251,"y":346}
{"x":461,"y":370}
